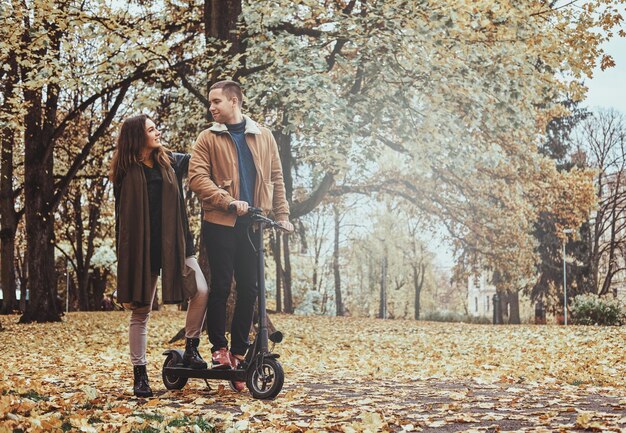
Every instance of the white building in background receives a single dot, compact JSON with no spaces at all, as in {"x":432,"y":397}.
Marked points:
{"x":480,"y":296}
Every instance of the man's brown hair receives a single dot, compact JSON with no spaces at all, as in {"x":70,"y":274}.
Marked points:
{"x":230,"y":89}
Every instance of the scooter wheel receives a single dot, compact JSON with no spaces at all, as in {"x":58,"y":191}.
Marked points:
{"x":266,"y":380}
{"x":172,"y":382}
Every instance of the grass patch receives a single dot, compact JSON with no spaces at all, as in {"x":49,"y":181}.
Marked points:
{"x":451,"y":316}
{"x":151,"y":416}
{"x":205,"y":425}
{"x":179,"y":422}
{"x":94,"y":420}
{"x":35,"y":396}
{"x":184,"y":421}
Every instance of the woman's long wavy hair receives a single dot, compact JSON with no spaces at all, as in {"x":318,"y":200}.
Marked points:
{"x":130,"y":144}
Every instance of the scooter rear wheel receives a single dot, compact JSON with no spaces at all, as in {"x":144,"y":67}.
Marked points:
{"x":266,"y":380}
{"x":172,"y":382}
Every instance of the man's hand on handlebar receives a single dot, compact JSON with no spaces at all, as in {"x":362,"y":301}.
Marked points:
{"x":241,"y":207}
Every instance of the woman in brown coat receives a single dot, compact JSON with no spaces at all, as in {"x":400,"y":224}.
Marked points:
{"x":153,"y":239}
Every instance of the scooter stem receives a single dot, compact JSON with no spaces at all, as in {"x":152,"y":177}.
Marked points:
{"x":261,"y":281}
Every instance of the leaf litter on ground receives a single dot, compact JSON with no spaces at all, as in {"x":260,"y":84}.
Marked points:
{"x":342,"y":375}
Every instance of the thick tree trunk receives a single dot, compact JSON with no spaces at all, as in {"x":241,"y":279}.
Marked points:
{"x":220,"y":21}
{"x":338,"y":299}
{"x":514,"y":318}
{"x":42,"y":305}
{"x":503,"y":311}
{"x":38,"y":197}
{"x":39,"y":182}
{"x":7,"y":258}
{"x":8,"y":217}
{"x":287,"y":276}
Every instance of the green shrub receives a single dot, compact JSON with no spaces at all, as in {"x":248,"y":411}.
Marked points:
{"x":451,"y":316}
{"x":589,"y":309}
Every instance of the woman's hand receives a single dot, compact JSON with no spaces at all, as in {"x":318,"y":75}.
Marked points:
{"x":286,"y":226}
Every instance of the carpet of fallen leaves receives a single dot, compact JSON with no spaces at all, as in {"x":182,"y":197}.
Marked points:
{"x":342,"y":375}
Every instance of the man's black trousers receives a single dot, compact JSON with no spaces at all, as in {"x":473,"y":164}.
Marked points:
{"x":230,"y":251}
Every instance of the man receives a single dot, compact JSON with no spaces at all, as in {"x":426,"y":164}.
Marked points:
{"x":235,"y":165}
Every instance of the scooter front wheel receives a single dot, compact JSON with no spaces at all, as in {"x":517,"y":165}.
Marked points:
{"x":170,"y":381}
{"x":265,"y":380}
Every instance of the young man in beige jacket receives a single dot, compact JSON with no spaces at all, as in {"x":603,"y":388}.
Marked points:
{"x":235,"y":164}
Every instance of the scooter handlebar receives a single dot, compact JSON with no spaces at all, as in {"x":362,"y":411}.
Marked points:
{"x":257,"y":216}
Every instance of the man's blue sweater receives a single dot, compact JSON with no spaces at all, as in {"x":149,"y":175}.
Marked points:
{"x":247,"y":169}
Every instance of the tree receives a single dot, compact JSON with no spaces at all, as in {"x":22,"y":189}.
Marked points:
{"x":86,"y":228}
{"x":474,"y":84}
{"x":558,"y":146}
{"x":65,"y":49}
{"x":603,"y":140}
{"x":339,"y":310}
{"x":10,"y":133}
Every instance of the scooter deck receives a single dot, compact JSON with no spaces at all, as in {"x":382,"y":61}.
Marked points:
{"x":208,"y":373}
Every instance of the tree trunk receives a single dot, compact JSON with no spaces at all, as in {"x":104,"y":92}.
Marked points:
{"x":514,"y":318}
{"x":220,"y":21}
{"x":497,"y":308}
{"x":38,"y":197}
{"x":40,"y":243}
{"x":503,"y":311}
{"x":82,"y":271}
{"x":287,"y":276}
{"x":39,"y":121}
{"x":7,"y":259}
{"x":98,"y":283}
{"x":382,"y":308}
{"x":8,"y":217}
{"x":21,"y":268}
{"x":337,"y":274}
{"x":418,"y":283}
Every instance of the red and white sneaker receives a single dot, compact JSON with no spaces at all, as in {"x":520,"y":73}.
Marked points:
{"x":221,"y":359}
{"x":235,"y":361}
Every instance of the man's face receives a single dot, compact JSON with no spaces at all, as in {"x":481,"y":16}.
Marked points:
{"x":222,"y":109}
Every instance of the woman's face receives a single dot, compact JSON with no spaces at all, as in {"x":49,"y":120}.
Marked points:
{"x":153,"y":136}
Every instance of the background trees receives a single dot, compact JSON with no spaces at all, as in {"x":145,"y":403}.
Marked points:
{"x":440,"y":107}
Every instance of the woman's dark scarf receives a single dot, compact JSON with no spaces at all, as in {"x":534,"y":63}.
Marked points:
{"x":133,"y":243}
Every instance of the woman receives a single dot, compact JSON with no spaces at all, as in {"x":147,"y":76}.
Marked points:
{"x":153,"y":238}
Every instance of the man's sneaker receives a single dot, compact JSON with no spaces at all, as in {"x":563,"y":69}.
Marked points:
{"x":236,"y":385}
{"x":221,"y":359}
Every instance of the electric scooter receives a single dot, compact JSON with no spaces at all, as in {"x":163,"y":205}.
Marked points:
{"x":263,"y":374}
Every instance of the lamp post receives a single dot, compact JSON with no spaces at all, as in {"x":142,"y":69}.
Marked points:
{"x":565,"y":232}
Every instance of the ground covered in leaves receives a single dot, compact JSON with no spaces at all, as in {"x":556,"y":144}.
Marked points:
{"x":342,"y":375}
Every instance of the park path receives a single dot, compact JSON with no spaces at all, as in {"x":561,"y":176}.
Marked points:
{"x":310,"y":405}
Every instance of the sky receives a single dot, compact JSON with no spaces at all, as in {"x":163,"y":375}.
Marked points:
{"x":607,"y":88}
